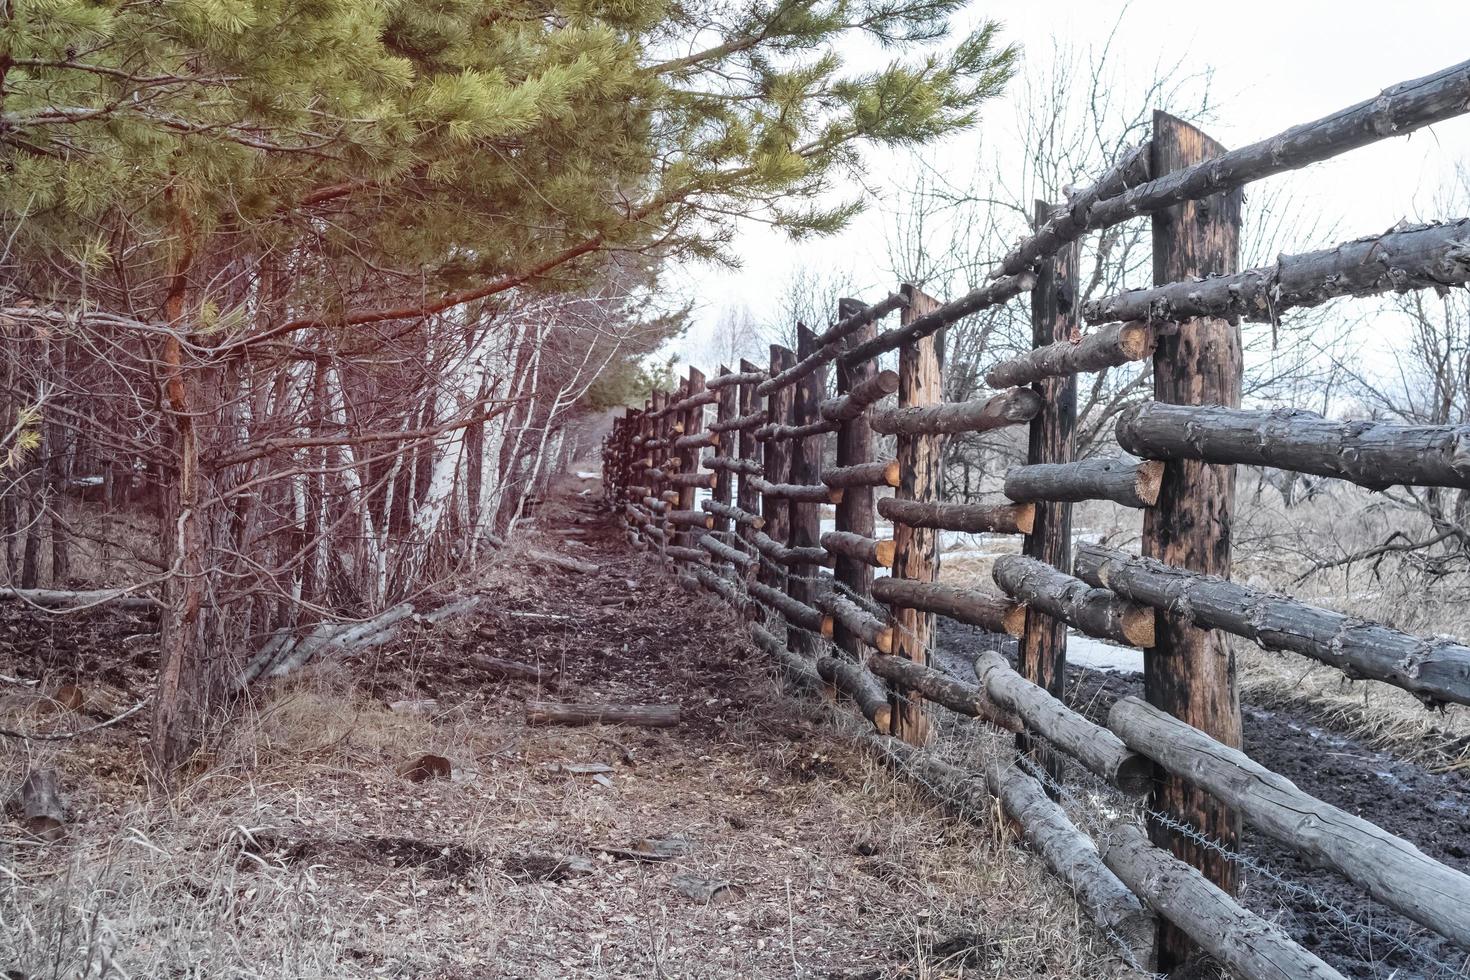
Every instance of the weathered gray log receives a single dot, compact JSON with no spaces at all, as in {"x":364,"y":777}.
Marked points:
{"x":1127,"y":481}
{"x":1391,"y":869}
{"x":670,"y":497}
{"x":856,"y":620}
{"x":743,"y":378}
{"x":1095,"y":611}
{"x":1111,"y":346}
{"x":573,"y":713}
{"x":767,"y":433}
{"x":878,"y":473}
{"x":969,"y":518}
{"x":939,"y":687}
{"x":696,"y":400}
{"x":698,"y":440}
{"x":997,"y":614}
{"x":58,"y":599}
{"x":1408,"y":257}
{"x":38,"y":805}
{"x":690,"y":518}
{"x":1247,"y":945}
{"x":285,"y":651}
{"x":853,"y":680}
{"x":638,"y":492}
{"x":871,"y":551}
{"x":653,"y":531}
{"x":682,"y":553}
{"x":1436,"y":670}
{"x":565,"y":562}
{"x":745,"y":467}
{"x":496,"y":667}
{"x":1007,"y":408}
{"x":801,"y":369}
{"x":796,"y":613}
{"x":750,"y":420}
{"x":782,"y":555}
{"x":1098,"y":749}
{"x":725,"y":553}
{"x":695,"y":479}
{"x":1398,"y":110}
{"x":733,"y":513}
{"x":800,"y":492}
{"x":801,"y":672}
{"x":721,"y":586}
{"x":1372,"y":454}
{"x":982,"y":297}
{"x":1066,"y":850}
{"x":849,"y":406}
{"x":862,"y":317}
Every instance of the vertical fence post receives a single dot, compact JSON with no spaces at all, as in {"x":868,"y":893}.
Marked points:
{"x":725,"y":410}
{"x":657,"y":430}
{"x":693,"y":419}
{"x":916,"y":549}
{"x":776,"y":510}
{"x":854,"y":446}
{"x":806,"y":469}
{"x":1190,"y":672}
{"x":1051,"y":439}
{"x":750,"y":451}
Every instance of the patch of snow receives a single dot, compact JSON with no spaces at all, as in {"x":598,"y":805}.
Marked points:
{"x":1095,"y":654}
{"x":584,"y":475}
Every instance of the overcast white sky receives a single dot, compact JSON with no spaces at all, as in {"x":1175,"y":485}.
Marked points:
{"x":1276,"y":63}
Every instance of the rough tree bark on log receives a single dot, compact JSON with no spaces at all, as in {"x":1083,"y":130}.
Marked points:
{"x":933,"y":685}
{"x":868,"y":389}
{"x":1123,"y":480}
{"x":869,"y":551}
{"x":1113,"y":345}
{"x":573,"y":713}
{"x":853,"y":680}
{"x":997,"y":614}
{"x":878,"y":473}
{"x":938,"y":317}
{"x":1008,"y":408}
{"x":856,"y":621}
{"x":1095,"y":611}
{"x":969,"y":518}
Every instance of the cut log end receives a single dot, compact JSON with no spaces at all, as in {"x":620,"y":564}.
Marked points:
{"x":1136,"y":340}
{"x":1149,"y":480}
{"x":891,"y":474}
{"x":1014,"y":621}
{"x":883,"y":720}
{"x":884,"y":552}
{"x":1025,"y":517}
{"x":826,"y":627}
{"x":1139,"y":626}
{"x":884,"y":642}
{"x":835,"y":495}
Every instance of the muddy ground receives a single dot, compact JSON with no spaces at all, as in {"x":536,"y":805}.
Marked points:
{"x":1329,"y":916}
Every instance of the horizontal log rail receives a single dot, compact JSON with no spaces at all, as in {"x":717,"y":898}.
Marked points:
{"x":732,"y":464}
{"x":696,"y":479}
{"x":879,"y":473}
{"x":1245,"y":944}
{"x":1007,"y":408}
{"x":822,"y":355}
{"x":868,"y":314}
{"x":829,"y":344}
{"x":783,"y":555}
{"x":655,"y":505}
{"x":809,"y":493}
{"x":1434,"y":256}
{"x":697,"y":400}
{"x":857,"y":621}
{"x":845,"y":408}
{"x":727,"y":590}
{"x":725,"y":553}
{"x":678,"y":551}
{"x":797,"y":613}
{"x":798,"y":670}
{"x":743,"y":378}
{"x":1376,"y":455}
{"x":967,"y":518}
{"x":853,"y":680}
{"x":870,"y":551}
{"x":768,"y":433}
{"x":1389,"y":868}
{"x":670,"y":497}
{"x":698,"y":440}
{"x":1099,"y":750}
{"x":1095,"y":611}
{"x":731,"y":512}
{"x":1130,"y":482}
{"x":1436,"y":670}
{"x":751,"y":421}
{"x":690,"y":518}
{"x":942,"y":689}
{"x":977,"y":299}
{"x":998,"y":614}
{"x":1112,"y":346}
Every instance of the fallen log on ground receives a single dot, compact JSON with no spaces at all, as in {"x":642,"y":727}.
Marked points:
{"x":1376,"y":455}
{"x":59,"y":599}
{"x":566,"y":562}
{"x":1095,"y":611}
{"x":574,"y":713}
{"x":512,"y":670}
{"x":1130,"y":482}
{"x":1436,"y":670}
{"x":1391,"y":869}
{"x":1098,"y":749}
{"x":1008,"y":408}
{"x":997,"y":614}
{"x":38,"y":805}
{"x":969,"y":518}
{"x":1247,"y":945}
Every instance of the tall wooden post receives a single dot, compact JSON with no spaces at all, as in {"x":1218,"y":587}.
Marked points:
{"x":854,"y":445}
{"x":806,"y":469}
{"x":750,"y":449}
{"x":916,"y":549}
{"x":1190,"y":672}
{"x":659,"y":430}
{"x":777,"y":466}
{"x":1052,"y":439}
{"x":724,"y":480}
{"x":693,"y":419}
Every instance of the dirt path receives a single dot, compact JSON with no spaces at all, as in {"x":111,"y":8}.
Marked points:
{"x":299,"y":850}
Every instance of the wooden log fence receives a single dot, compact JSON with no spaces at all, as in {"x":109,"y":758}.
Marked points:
{"x":755,"y":542}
